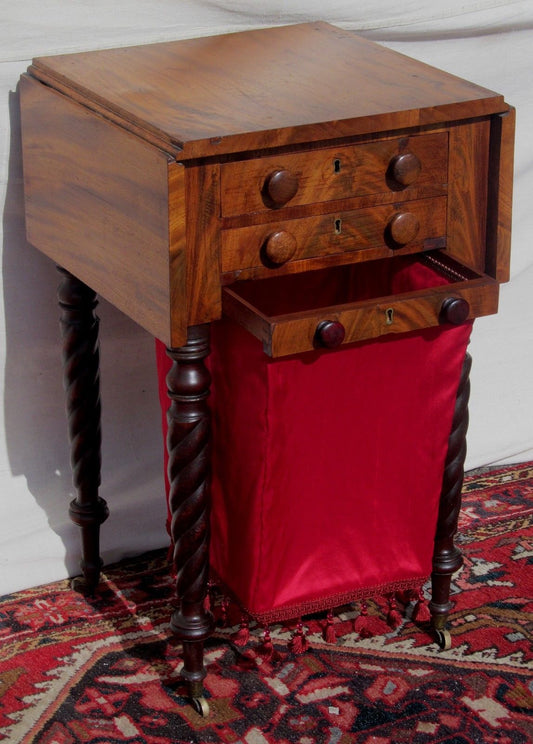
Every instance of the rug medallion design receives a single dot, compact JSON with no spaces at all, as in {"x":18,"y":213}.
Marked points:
{"x":102,"y":670}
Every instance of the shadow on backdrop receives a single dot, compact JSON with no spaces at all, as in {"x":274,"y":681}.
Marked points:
{"x":35,"y":420}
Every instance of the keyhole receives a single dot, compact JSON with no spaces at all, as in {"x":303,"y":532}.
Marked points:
{"x":338,"y":226}
{"x":389,"y":314}
{"x":336,"y":166}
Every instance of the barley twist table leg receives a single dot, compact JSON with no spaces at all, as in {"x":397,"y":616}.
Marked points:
{"x":447,"y":557}
{"x":79,"y":331}
{"x":188,"y":445}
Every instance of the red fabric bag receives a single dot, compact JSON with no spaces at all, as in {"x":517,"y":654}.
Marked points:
{"x":327,"y":466}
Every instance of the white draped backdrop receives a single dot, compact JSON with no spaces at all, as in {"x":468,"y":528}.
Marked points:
{"x":487,"y":41}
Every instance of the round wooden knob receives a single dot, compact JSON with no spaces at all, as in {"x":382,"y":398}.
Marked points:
{"x":330,"y":333}
{"x":403,"y":227}
{"x":454,"y":310}
{"x":405,"y":168}
{"x":280,"y":187}
{"x":279,"y":247}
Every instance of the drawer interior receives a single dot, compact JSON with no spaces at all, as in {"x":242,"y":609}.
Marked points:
{"x":341,"y":285}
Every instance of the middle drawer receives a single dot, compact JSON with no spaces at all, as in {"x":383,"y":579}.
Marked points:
{"x":376,"y":231}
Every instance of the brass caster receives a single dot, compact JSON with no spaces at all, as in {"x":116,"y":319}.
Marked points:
{"x":80,"y":585}
{"x":201,"y":706}
{"x":444,"y":639}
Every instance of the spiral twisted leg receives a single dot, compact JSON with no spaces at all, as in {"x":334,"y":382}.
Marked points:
{"x":188,"y":444}
{"x":446,"y":556}
{"x":79,"y":331}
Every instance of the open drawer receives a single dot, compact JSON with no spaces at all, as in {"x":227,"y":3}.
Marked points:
{"x":344,"y":304}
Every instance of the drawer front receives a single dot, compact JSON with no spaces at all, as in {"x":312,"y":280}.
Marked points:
{"x":293,"y":179}
{"x":281,"y":312}
{"x":404,"y":227}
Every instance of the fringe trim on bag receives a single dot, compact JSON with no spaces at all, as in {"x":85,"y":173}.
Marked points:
{"x":402,"y":588}
{"x":367,"y":624}
{"x":289,"y":612}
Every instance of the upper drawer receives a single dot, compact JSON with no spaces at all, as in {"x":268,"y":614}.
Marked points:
{"x":263,"y":184}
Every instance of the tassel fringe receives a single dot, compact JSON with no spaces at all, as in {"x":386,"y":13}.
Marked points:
{"x":361,"y":624}
{"x":267,"y":650}
{"x":299,"y":643}
{"x":330,"y":635}
{"x":421,"y":611}
{"x":242,"y":636}
{"x":267,"y":647}
{"x":368,"y":626}
{"x":394,"y":619}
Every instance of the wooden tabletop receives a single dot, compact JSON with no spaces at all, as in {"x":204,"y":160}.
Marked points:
{"x":259,"y":89}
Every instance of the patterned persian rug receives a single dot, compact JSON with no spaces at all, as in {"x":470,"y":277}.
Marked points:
{"x":75,"y":669}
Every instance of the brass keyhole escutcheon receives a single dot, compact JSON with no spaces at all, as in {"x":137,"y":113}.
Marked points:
{"x":389,"y":315}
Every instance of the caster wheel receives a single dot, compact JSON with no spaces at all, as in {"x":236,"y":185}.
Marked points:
{"x":201,"y":706}
{"x":444,"y":639}
{"x":80,"y":584}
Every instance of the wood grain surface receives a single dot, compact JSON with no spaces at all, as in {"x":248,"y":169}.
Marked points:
{"x":264,"y":88}
{"x":203,"y":244}
{"x":467,"y":192}
{"x":498,"y":258}
{"x":97,"y":203}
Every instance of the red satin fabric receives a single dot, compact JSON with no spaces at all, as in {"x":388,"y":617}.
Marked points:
{"x":327,"y":466}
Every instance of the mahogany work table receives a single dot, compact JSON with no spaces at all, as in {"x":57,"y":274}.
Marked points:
{"x":186,"y":180}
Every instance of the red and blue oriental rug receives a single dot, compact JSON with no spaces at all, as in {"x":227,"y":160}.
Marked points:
{"x":102,"y":670}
